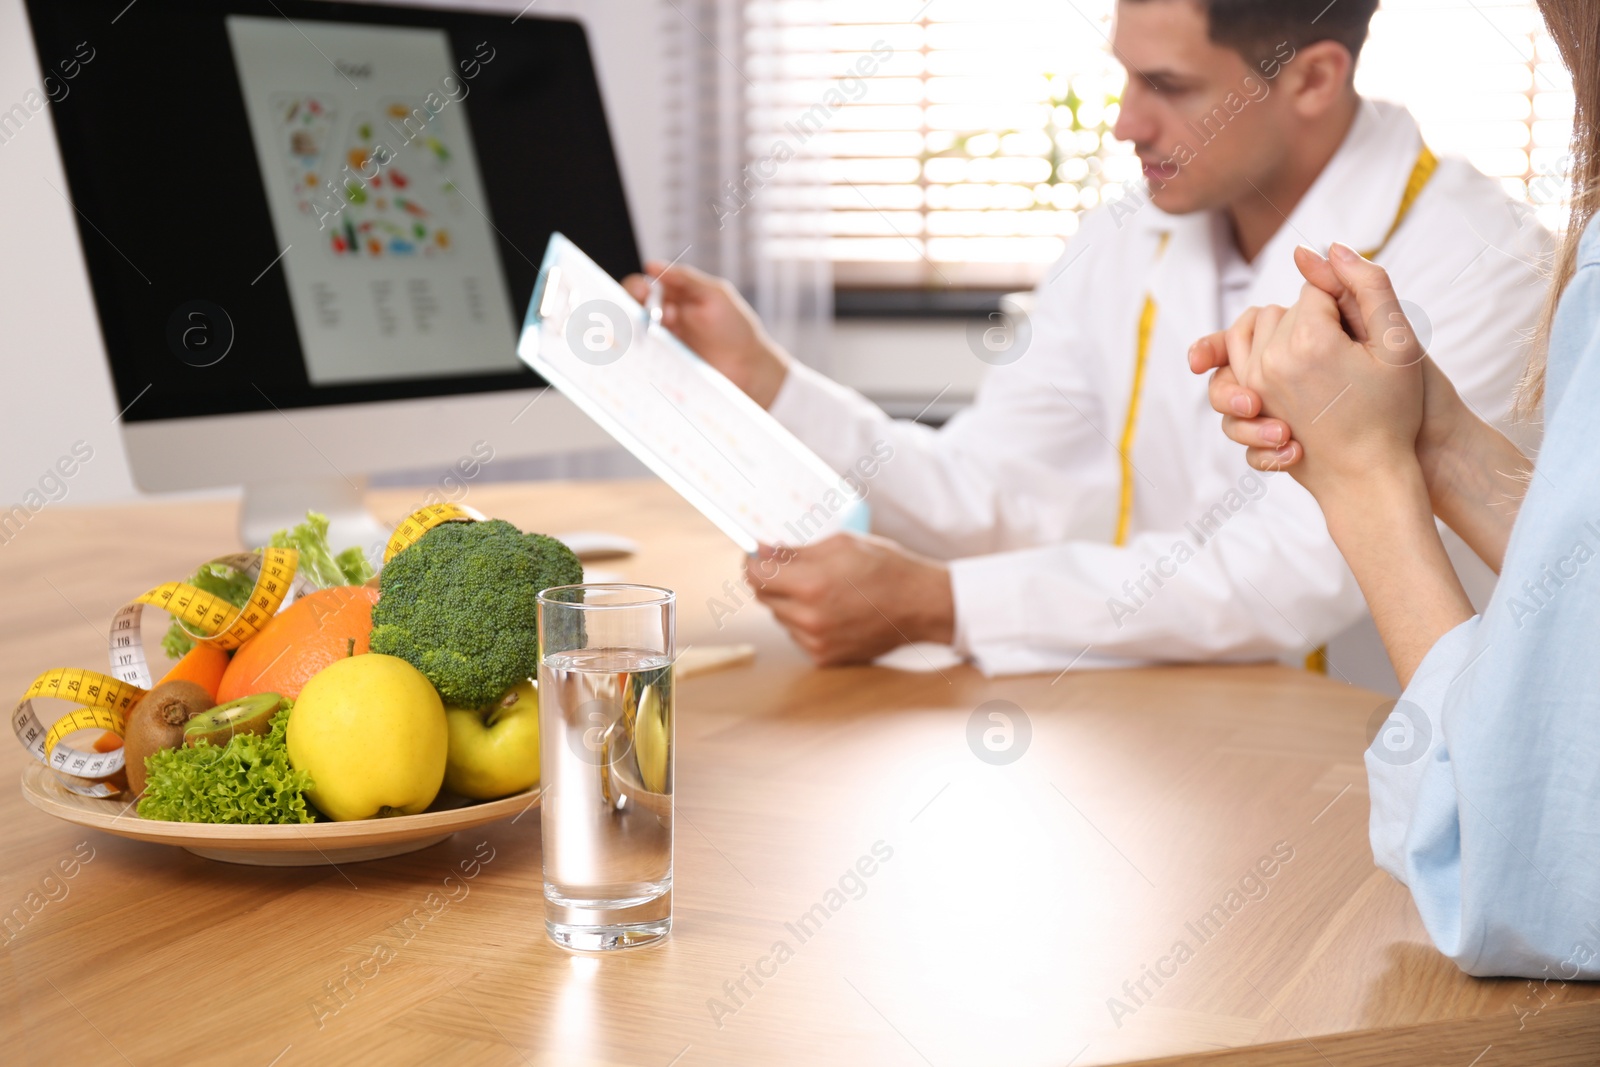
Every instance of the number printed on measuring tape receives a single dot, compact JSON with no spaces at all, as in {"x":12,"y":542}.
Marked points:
{"x":206,"y":617}
{"x":105,"y":701}
{"x":422,"y":520}
{"x":105,"y":705}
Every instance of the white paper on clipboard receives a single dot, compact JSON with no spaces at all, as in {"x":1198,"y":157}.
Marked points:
{"x":690,"y":425}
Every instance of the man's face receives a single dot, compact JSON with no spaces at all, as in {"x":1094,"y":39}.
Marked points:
{"x":1205,"y":122}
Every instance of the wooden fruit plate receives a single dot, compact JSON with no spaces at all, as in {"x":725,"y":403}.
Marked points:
{"x":307,"y":845}
{"x":315,"y":844}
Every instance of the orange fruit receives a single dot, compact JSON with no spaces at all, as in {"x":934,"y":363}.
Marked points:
{"x":299,"y":641}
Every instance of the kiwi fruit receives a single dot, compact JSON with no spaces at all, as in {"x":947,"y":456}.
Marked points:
{"x":247,"y":715}
{"x":157,"y":721}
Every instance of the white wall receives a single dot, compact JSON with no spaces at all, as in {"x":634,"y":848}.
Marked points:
{"x":55,"y":389}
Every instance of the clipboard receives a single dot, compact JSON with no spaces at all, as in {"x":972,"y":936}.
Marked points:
{"x":686,"y":422}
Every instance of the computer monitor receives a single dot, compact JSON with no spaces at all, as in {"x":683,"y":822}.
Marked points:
{"x":311,"y":230}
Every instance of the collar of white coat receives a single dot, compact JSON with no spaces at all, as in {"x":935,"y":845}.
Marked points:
{"x":1353,"y":200}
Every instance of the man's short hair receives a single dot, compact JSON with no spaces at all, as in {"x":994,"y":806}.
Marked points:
{"x":1257,"y":28}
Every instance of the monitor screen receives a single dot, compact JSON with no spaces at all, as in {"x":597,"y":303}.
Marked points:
{"x":292,"y":204}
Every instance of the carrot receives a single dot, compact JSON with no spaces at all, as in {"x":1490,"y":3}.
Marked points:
{"x":203,"y":665}
{"x":107,"y":742}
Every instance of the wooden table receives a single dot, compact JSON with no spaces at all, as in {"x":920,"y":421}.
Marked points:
{"x":1099,"y":900}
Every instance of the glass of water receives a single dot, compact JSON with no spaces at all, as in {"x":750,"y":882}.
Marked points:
{"x":605,"y":752}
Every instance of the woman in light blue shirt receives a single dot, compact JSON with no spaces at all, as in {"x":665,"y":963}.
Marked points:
{"x":1485,"y":781}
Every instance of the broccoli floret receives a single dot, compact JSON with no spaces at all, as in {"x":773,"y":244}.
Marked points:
{"x":460,"y":606}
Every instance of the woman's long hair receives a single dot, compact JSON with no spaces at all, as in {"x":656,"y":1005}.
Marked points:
{"x":1575,"y":26}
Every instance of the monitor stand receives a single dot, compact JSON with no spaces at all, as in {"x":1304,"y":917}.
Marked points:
{"x":272,"y":506}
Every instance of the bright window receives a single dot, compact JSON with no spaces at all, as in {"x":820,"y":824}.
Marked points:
{"x":981,"y":134}
{"x":1485,"y":82}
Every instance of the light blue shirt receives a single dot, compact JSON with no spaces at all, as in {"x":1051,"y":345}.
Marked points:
{"x":1486,"y":778}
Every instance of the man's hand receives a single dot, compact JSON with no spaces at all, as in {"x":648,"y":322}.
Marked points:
{"x":850,"y":598}
{"x":710,"y":316}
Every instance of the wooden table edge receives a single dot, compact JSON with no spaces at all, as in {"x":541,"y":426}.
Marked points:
{"x":1559,"y":1036}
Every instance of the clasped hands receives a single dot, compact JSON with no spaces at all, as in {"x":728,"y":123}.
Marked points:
{"x":1338,"y":389}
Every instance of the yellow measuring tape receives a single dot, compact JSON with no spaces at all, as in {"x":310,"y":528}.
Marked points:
{"x":86,"y":719}
{"x":105,"y":701}
{"x":1147,"y":327}
{"x":1421,"y":174}
{"x":1426,"y":166}
{"x":421,"y":521}
{"x":214,"y":620}
{"x":105,"y":705}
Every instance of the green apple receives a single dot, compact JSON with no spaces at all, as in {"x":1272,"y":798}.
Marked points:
{"x":495,"y":752}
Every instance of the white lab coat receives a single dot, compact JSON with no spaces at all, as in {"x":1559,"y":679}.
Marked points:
{"x":1021,"y":490}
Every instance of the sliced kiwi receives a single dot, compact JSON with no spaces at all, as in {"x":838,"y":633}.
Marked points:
{"x":247,"y":715}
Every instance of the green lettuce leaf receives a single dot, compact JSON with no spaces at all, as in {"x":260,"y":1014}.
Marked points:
{"x":317,"y":560}
{"x":358,"y":570}
{"x":248,"y":780}
{"x":231,"y":585}
{"x":318,"y":565}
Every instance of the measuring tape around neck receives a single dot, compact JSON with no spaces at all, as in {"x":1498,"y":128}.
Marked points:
{"x":1422,"y":172}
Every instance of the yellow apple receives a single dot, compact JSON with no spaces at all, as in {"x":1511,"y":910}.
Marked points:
{"x":495,"y":752}
{"x":370,"y":730}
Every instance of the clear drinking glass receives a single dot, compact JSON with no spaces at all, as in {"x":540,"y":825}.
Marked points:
{"x":605,"y":754}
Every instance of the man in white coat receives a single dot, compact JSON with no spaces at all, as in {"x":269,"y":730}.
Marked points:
{"x":1085,"y":510}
